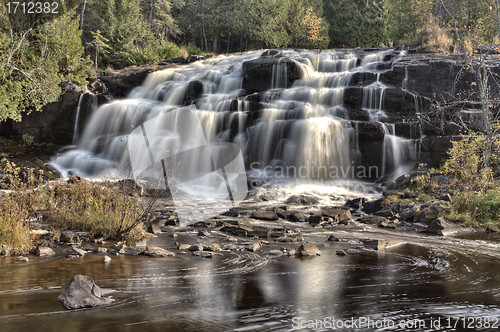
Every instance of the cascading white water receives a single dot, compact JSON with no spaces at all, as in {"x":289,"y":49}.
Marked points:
{"x":395,"y":151}
{"x":89,"y":107}
{"x":301,"y":127}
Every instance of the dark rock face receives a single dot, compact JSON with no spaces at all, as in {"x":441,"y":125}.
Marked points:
{"x":54,"y":124}
{"x":258,"y":73}
{"x":82,"y":292}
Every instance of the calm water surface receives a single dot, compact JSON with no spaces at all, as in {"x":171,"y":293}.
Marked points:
{"x":428,"y":279}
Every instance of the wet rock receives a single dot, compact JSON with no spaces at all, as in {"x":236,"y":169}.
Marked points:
{"x":196,"y":247}
{"x":355,"y":203}
{"x":157,"y":252}
{"x":204,"y":254}
{"x":380,"y":244}
{"x":340,"y":253}
{"x":183,"y":247}
{"x":302,"y":200}
{"x":260,"y":232}
{"x":206,"y":224}
{"x":214,"y":247}
{"x":294,"y":216}
{"x":69,"y":237}
{"x":82,"y":292}
{"x":254,"y":246}
{"x":140,"y":242}
{"x":431,"y":212}
{"x":270,"y":53}
{"x":101,"y":249}
{"x":372,"y":206}
{"x":373,"y":220}
{"x":232,"y":239}
{"x":258,"y":73}
{"x":275,"y":252}
{"x":308,"y":249}
{"x":264,"y":215}
{"x":333,"y":238}
{"x":155,"y":227}
{"x":290,"y":238}
{"x":408,"y":213}
{"x":237,"y":230}
{"x":316,"y":219}
{"x":130,"y":251}
{"x":77,"y":251}
{"x":75,"y":179}
{"x":44,"y":251}
{"x":22,"y":259}
{"x":339,"y":215}
{"x":106,"y":259}
{"x":204,"y":233}
{"x":441,"y":227}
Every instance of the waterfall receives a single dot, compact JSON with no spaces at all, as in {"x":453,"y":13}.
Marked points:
{"x":302,"y":130}
{"x":396,"y":151}
{"x":88,"y":108}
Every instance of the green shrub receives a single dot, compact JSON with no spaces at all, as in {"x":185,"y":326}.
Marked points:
{"x":192,"y":49}
{"x":476,"y":208}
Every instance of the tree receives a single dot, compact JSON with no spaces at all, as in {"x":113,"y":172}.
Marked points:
{"x":100,"y":44}
{"x":314,"y":30}
{"x":36,"y":55}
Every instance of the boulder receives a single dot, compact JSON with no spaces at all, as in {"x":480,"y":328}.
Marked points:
{"x":69,"y":237}
{"x":204,"y":233}
{"x":254,"y":246}
{"x":308,"y":249}
{"x":338,"y":214}
{"x":333,"y":238}
{"x":237,"y":230}
{"x":77,"y":251}
{"x":44,"y":251}
{"x":22,"y":259}
{"x":373,"y":220}
{"x":302,"y":200}
{"x":441,"y":227}
{"x":204,"y":254}
{"x":214,"y":247}
{"x":157,"y":252}
{"x":196,"y":247}
{"x":431,"y":212}
{"x":106,"y":259}
{"x":82,"y":292}
{"x":372,"y":206}
{"x":264,"y":215}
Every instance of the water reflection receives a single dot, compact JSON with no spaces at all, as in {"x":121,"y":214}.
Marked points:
{"x":252,"y":293}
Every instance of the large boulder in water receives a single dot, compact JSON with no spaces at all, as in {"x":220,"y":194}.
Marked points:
{"x":82,"y":292}
{"x":258,"y":74}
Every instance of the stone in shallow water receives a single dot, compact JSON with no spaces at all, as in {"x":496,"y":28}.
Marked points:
{"x":22,"y":259}
{"x":44,"y":251}
{"x":157,"y":252}
{"x":106,"y":259}
{"x":380,"y":244}
{"x":82,"y":292}
{"x":308,"y":249}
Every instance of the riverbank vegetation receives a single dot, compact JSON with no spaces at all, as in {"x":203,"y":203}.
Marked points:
{"x":109,"y":210}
